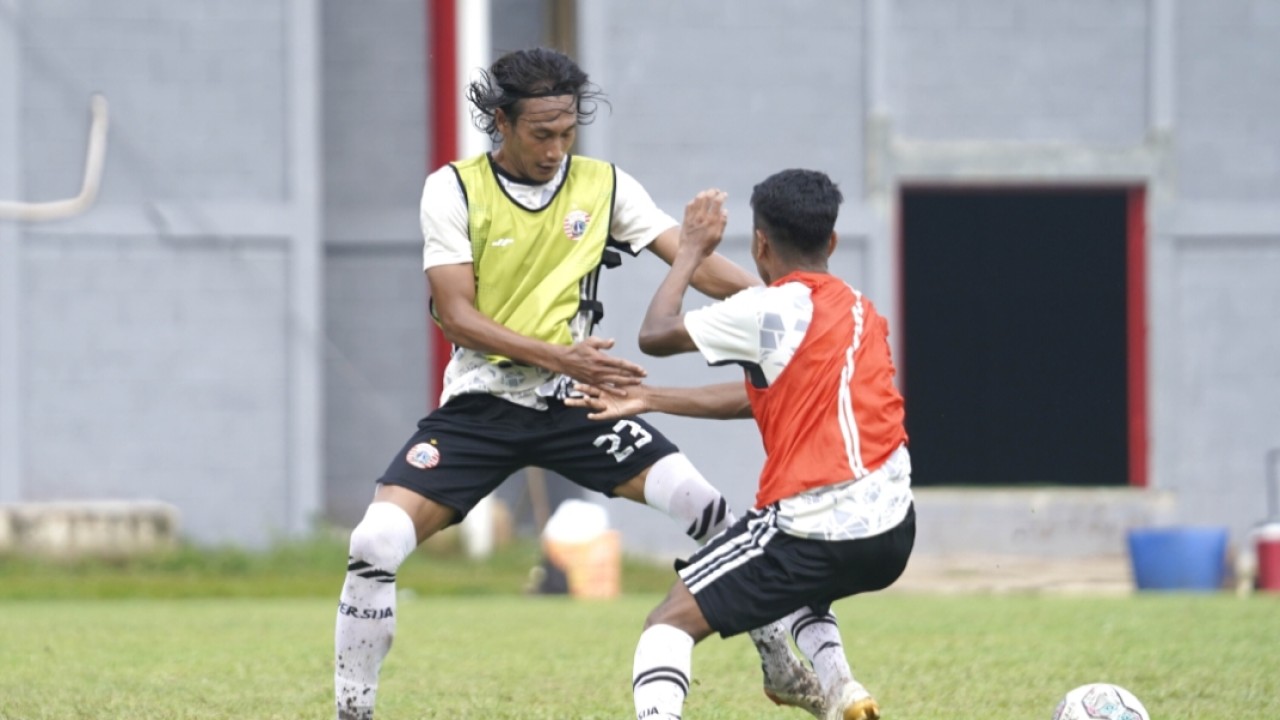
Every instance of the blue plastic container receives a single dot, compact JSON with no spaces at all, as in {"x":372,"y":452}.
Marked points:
{"x":1179,"y":558}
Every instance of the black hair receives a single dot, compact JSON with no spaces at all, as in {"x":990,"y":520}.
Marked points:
{"x":797,"y":209}
{"x":531,"y":73}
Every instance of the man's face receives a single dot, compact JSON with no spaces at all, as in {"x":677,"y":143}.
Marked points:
{"x":535,"y":144}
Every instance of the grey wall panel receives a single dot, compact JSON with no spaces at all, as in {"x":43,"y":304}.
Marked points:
{"x":1019,"y":71}
{"x":197,"y":93}
{"x":1228,"y":142}
{"x":375,"y":366}
{"x":158,"y":370}
{"x":1045,"y":522}
{"x":723,"y":94}
{"x":10,"y":276}
{"x":518,"y":24}
{"x":376,"y":133}
{"x":375,"y":116}
{"x":1228,"y":378}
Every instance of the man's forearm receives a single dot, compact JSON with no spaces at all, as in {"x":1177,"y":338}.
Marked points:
{"x":725,"y":401}
{"x":718,"y":277}
{"x":662,"y":332}
{"x":474,"y":330}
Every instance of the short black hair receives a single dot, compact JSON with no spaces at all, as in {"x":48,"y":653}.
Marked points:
{"x":797,"y":209}
{"x":530,"y":73}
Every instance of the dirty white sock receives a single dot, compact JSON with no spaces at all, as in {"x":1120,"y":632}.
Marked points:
{"x":777,"y":660}
{"x":818,"y":637}
{"x":367,"y":608}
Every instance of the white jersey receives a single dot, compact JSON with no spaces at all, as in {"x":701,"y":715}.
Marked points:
{"x":635,"y":223}
{"x":760,"y":328}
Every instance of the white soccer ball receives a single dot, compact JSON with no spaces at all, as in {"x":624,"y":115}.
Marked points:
{"x":1100,"y":701}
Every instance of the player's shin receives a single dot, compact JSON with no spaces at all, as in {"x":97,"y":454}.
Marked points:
{"x":660,"y":674}
{"x":366,"y":622}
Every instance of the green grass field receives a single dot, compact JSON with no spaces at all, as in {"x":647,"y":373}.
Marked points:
{"x":194,"y":642}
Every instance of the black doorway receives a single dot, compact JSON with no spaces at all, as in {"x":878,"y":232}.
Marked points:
{"x":1017,"y":362}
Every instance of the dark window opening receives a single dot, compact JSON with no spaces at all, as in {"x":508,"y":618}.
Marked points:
{"x":1016,"y":358}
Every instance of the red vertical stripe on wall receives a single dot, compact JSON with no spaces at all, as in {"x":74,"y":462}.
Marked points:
{"x":442,"y":72}
{"x":1136,"y":233}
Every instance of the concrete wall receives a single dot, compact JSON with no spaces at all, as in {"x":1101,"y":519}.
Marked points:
{"x":1021,"y":72}
{"x":164,"y":345}
{"x":184,"y":342}
{"x":376,"y":107}
{"x":1218,"y":311}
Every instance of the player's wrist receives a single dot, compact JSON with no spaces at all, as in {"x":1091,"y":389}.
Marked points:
{"x":555,"y":357}
{"x":693,"y":253}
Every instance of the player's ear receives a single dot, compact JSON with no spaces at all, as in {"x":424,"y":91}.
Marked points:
{"x":759,"y":244}
{"x":831,"y":243}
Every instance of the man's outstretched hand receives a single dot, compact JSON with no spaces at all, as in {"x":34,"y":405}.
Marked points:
{"x":606,"y":404}
{"x":586,"y":362}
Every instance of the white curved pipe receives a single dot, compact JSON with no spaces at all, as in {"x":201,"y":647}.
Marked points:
{"x":95,"y":157}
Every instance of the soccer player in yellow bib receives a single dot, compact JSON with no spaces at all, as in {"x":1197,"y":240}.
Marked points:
{"x":514,"y":243}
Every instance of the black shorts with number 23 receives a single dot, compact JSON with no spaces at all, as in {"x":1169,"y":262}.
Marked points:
{"x":464,"y":450}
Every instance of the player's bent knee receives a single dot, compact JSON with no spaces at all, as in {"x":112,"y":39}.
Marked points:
{"x":690,"y":622}
{"x":657,"y":616}
{"x":680,"y":610}
{"x":384,"y":538}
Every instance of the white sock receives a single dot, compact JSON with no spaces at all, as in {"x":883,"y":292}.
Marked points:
{"x":818,"y":637}
{"x":367,"y":609}
{"x":660,"y":674}
{"x":675,"y":487}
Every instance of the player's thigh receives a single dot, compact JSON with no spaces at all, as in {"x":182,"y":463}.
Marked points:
{"x":743,"y":578}
{"x":460,"y":453}
{"x":753,"y":573}
{"x":599,"y":456}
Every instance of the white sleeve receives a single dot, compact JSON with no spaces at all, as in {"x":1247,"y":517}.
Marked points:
{"x":636,"y":219}
{"x":728,"y":331}
{"x":443,"y":214}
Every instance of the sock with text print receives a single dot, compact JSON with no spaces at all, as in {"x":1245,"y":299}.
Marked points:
{"x":367,"y":608}
{"x":660,"y":673}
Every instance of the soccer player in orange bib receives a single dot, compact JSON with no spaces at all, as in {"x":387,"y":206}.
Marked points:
{"x":834,"y":514}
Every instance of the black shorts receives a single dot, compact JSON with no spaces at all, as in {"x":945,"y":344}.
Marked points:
{"x":464,"y":450}
{"x":753,"y":573}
